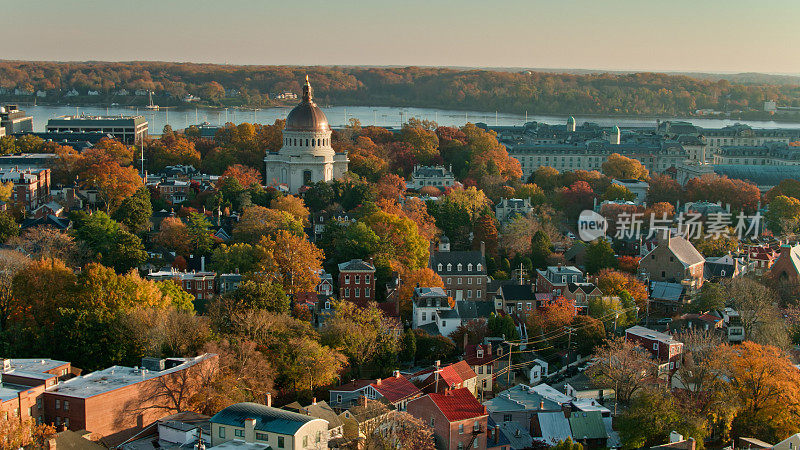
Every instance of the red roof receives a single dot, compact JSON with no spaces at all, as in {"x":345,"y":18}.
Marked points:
{"x":471,"y":355}
{"x":396,"y":388}
{"x":353,"y":385}
{"x":458,"y":404}
{"x":457,"y":373}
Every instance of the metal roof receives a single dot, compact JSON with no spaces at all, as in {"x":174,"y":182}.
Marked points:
{"x":269,"y":419}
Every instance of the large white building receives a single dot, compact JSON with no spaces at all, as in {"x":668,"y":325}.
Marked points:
{"x":306,"y":156}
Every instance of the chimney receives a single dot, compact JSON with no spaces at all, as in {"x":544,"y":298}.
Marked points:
{"x":466,"y":340}
{"x":397,"y":374}
{"x":202,"y":264}
{"x":541,"y":405}
{"x":314,"y":401}
{"x":378,"y":381}
{"x":269,"y":399}
{"x":483,"y":248}
{"x":496,"y":434}
{"x":249,"y":430}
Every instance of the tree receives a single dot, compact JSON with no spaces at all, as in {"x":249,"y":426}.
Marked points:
{"x":16,"y":434}
{"x":234,"y":257}
{"x":410,"y":279}
{"x":399,"y":240}
{"x":652,"y":416}
{"x":545,"y":177}
{"x":589,"y":333}
{"x":576,"y":198}
{"x":197,"y":228}
{"x":257,"y":222}
{"x":46,"y":242}
{"x":8,"y":226}
{"x":179,"y":298}
{"x":624,"y":168}
{"x":244,"y":175}
{"x":783,"y":215}
{"x":712,"y":296}
{"x":126,"y":252}
{"x":701,"y":375}
{"x":767,"y":388}
{"x":663,"y":188}
{"x":11,"y":263}
{"x":567,"y":444}
{"x":362,"y":334}
{"x":622,"y":366}
{"x":474,"y":331}
{"x":261,"y":292}
{"x":486,"y":233}
{"x":758,"y":312}
{"x":541,"y":249}
{"x":399,"y":429}
{"x":502,"y":326}
{"x":296,"y":261}
{"x":98,"y":169}
{"x":554,"y":315}
{"x":599,"y":256}
{"x":612,"y":282}
{"x":292,"y":205}
{"x":618,"y":192}
{"x":42,"y":287}
{"x":719,"y":246}
{"x":174,"y":235}
{"x":628,"y":264}
{"x":135,"y":211}
{"x":309,"y":364}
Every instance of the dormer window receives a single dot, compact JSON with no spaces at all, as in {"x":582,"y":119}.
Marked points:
{"x":458,"y":267}
{"x":469,"y":267}
{"x":449,"y":267}
{"x":440,"y":267}
{"x":480,"y":267}
{"x":480,"y":353}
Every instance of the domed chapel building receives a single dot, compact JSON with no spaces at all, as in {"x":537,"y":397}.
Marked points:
{"x":306,"y":155}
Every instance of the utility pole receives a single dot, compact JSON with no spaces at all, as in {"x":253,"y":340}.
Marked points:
{"x":569,"y":345}
{"x":508,"y":378}
{"x":616,"y":316}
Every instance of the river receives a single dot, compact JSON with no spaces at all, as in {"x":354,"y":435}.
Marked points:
{"x":339,"y":115}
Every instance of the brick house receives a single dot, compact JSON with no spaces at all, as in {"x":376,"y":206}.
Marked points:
{"x":458,"y":420}
{"x":664,"y":348}
{"x":118,"y":402}
{"x":582,"y":294}
{"x":674,"y":260}
{"x":762,"y":258}
{"x":786,"y":268}
{"x":23,"y":383}
{"x":463,"y":272}
{"x":484,"y":364}
{"x":554,"y":279}
{"x":357,"y":281}
{"x":201,"y":285}
{"x":31,"y":186}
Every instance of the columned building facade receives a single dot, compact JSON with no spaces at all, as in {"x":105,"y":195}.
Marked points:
{"x":306,"y":156}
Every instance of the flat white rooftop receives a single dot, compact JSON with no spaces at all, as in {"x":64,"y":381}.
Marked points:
{"x":116,"y":377}
{"x":31,"y":365}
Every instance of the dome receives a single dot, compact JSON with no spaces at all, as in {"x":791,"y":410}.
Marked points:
{"x":307,"y":116}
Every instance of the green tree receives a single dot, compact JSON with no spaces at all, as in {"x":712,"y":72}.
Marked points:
{"x":783,"y":215}
{"x":135,"y":211}
{"x":502,"y":326}
{"x":409,"y":345}
{"x":260,"y":292}
{"x":541,"y":249}
{"x":652,"y":416}
{"x":567,"y":444}
{"x":618,"y":192}
{"x":8,"y":226}
{"x":230,"y":258}
{"x":126,"y":252}
{"x":199,"y":233}
{"x":180,"y":299}
{"x":712,"y":296}
{"x":599,"y":256}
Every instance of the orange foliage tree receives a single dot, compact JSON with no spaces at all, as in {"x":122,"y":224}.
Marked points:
{"x":613,"y":282}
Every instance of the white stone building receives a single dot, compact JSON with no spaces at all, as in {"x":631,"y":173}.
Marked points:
{"x":306,"y":156}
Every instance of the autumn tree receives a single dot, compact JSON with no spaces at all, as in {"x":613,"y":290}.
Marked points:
{"x":257,"y":222}
{"x":292,"y":205}
{"x":576,"y":198}
{"x":663,"y":188}
{"x":624,"y":168}
{"x":553,"y":315}
{"x":399,"y":239}
{"x":767,"y":387}
{"x":409,"y":280}
{"x":296,"y":261}
{"x":174,"y":235}
{"x":261,"y":292}
{"x":783,"y":215}
{"x":619,"y":193}
{"x":653,"y":414}
{"x":612,"y":282}
{"x":310,"y":364}
{"x":11,"y":263}
{"x":246,"y":176}
{"x":199,"y":233}
{"x":24,"y":433}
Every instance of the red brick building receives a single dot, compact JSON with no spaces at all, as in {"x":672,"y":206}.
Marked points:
{"x":23,"y":383}
{"x":666,"y":350}
{"x":200,"y":284}
{"x":458,"y":419}
{"x":118,"y":402}
{"x":31,"y":186}
{"x":357,"y":281}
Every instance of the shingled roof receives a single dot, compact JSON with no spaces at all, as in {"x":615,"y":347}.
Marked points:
{"x":458,"y":404}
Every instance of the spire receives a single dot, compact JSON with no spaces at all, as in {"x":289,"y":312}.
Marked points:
{"x":307,"y":91}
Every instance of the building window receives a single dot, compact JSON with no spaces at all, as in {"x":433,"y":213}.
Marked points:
{"x":222,"y":432}
{"x":424,"y":317}
{"x":58,"y":404}
{"x":439,"y":267}
{"x":366,"y":292}
{"x":469,"y":267}
{"x":358,"y":279}
{"x":238,"y":433}
{"x":461,"y":428}
{"x":469,"y":280}
{"x":338,"y":398}
{"x":280,"y":442}
{"x":66,"y":405}
{"x":449,"y":267}
{"x":459,"y":280}
{"x":458,"y":267}
{"x":432,"y":421}
{"x":262,"y":437}
{"x":347,"y":292}
{"x":655,"y":346}
{"x":506,"y":417}
{"x":347,"y":279}
{"x":366,"y":279}
{"x":449,"y":280}
{"x":469,"y":293}
{"x":358,"y":292}
{"x":480,"y":267}
{"x":460,"y":446}
{"x":444,"y":323}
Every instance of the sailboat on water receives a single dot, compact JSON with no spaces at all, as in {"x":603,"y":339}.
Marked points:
{"x":151,"y":106}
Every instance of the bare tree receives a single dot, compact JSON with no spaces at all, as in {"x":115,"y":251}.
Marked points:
{"x":624,"y":366}
{"x":702,"y":373}
{"x":757,"y":306}
{"x":47,"y":242}
{"x":398,"y":429}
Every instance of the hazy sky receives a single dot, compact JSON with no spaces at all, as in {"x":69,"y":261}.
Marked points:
{"x":683,"y":35}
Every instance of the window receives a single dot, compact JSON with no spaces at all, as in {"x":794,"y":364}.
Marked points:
{"x":432,"y":421}
{"x":319,"y":436}
{"x":461,"y":428}
{"x":238,"y":433}
{"x":458,"y":267}
{"x":358,"y":292}
{"x":469,"y":280}
{"x":655,"y":346}
{"x":439,"y":267}
{"x":444,"y":323}
{"x":347,"y":279}
{"x":280,"y":442}
{"x":478,"y":280}
{"x":358,"y":279}
{"x":475,"y":443}
{"x":519,"y":306}
{"x":66,"y":405}
{"x":478,"y":293}
{"x":424,"y":317}
{"x":480,"y":370}
{"x":506,"y":417}
{"x":338,"y":398}
{"x":39,"y":402}
{"x":449,"y":280}
{"x":671,"y":365}
{"x":480,"y":267}
{"x":459,"y":280}
{"x":262,"y":437}
{"x":449,"y":267}
{"x":58,"y":404}
{"x":366,"y":292}
{"x":347,"y":292}
{"x":327,"y":305}
{"x":469,"y":267}
{"x":476,"y":426}
{"x":222,"y":432}
{"x":366,"y":279}
{"x":460,"y":446}
{"x":469,"y":293}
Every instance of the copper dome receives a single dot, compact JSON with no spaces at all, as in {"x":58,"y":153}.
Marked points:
{"x":307,"y":116}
